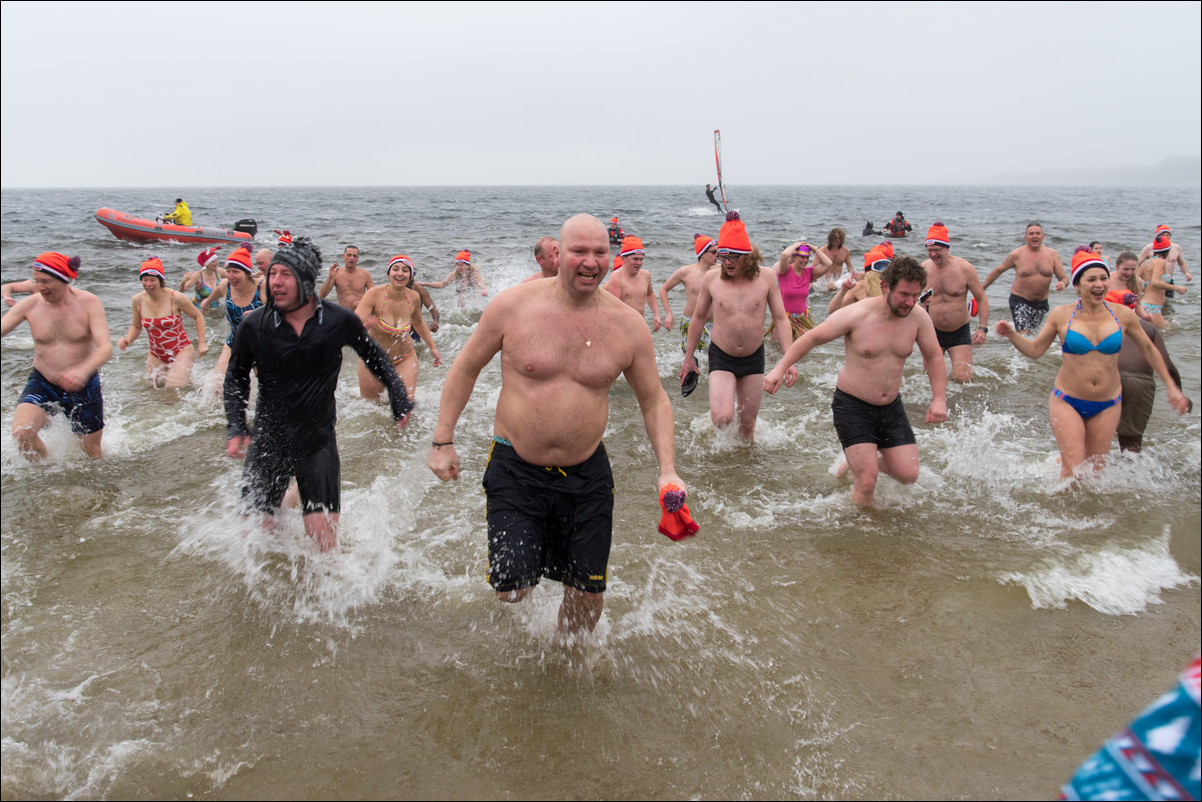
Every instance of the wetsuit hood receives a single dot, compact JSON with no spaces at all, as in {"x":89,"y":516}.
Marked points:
{"x":303,"y":258}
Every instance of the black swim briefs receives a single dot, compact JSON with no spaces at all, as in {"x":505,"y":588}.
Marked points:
{"x":951,"y":339}
{"x":84,"y":409}
{"x":271,"y":462}
{"x":741,"y":366}
{"x":550,"y":521}
{"x":858,"y":422}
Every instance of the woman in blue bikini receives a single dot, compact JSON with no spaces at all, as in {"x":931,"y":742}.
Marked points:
{"x":1086,"y":397}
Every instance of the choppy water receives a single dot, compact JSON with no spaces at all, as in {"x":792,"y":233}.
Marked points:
{"x":976,"y":636}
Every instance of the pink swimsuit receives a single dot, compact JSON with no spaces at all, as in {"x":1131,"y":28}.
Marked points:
{"x":167,"y":337}
{"x":795,"y":290}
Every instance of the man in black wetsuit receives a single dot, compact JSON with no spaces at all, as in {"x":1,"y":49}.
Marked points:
{"x":296,"y":343}
{"x":709,"y":193}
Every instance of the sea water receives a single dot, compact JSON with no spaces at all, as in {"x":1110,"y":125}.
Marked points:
{"x":976,"y":635}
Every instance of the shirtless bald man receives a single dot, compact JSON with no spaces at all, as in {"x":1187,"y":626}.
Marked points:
{"x":563,"y":343}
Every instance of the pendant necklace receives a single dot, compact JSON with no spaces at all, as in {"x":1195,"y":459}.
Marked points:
{"x":588,"y":343}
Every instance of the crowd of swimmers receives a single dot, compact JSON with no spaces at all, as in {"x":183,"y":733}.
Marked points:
{"x":569,"y":330}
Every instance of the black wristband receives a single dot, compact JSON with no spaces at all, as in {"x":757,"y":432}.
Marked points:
{"x":440,"y":445}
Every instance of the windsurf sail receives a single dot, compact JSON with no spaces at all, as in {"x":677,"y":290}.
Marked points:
{"x":718,"y":159}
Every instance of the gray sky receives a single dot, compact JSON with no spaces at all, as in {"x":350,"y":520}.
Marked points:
{"x":249,"y":94}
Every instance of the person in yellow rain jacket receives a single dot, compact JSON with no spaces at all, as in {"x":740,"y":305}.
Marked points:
{"x":181,"y":215}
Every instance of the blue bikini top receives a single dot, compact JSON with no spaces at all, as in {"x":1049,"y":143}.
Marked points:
{"x":1077,"y":343}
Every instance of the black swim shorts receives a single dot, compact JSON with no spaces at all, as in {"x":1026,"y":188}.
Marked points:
{"x":950,"y":339}
{"x":741,"y":366}
{"x":548,"y":521}
{"x":84,"y":409}
{"x":858,"y":422}
{"x":271,"y":462}
{"x":1027,"y":315}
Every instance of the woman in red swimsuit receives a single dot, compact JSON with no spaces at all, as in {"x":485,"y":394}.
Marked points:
{"x":390,"y":312}
{"x":159,"y":311}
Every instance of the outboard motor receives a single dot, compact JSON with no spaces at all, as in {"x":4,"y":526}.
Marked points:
{"x":247,"y":226}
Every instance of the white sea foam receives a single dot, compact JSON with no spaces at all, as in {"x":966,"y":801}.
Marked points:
{"x":1113,"y":580}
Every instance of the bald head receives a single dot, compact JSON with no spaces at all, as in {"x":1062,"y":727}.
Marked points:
{"x":263,"y":259}
{"x":581,"y":224}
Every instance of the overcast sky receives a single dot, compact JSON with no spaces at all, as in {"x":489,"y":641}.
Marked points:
{"x":346,"y":94}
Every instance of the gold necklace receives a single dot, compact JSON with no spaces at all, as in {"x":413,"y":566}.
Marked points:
{"x":588,"y":343}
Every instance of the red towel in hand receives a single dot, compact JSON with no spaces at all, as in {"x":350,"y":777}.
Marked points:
{"x":676,"y":522}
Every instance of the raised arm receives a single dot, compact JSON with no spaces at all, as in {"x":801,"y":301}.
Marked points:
{"x":23,"y":287}
{"x":216,"y":295}
{"x":328,"y":284}
{"x":438,"y":285}
{"x":997,"y":272}
{"x":824,"y":263}
{"x":13,"y":317}
{"x":1047,"y":335}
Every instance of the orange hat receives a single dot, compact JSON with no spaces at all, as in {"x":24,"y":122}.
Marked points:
{"x":1084,"y":259}
{"x":631,"y":246}
{"x":208,"y":256}
{"x":61,"y":267}
{"x":1161,"y":244}
{"x":676,"y":521}
{"x":1124,"y":297}
{"x":241,"y":259}
{"x":1163,"y":229}
{"x":285,"y":237}
{"x":702,"y":243}
{"x":618,"y":262}
{"x":733,"y":235}
{"x":402,"y":259}
{"x":879,"y":257}
{"x":613,"y":219}
{"x":937,"y":235}
{"x":464,"y":256}
{"x":153,"y":267}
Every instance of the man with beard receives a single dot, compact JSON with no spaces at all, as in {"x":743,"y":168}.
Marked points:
{"x":878,"y":336}
{"x":739,"y":294}
{"x":296,"y":343}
